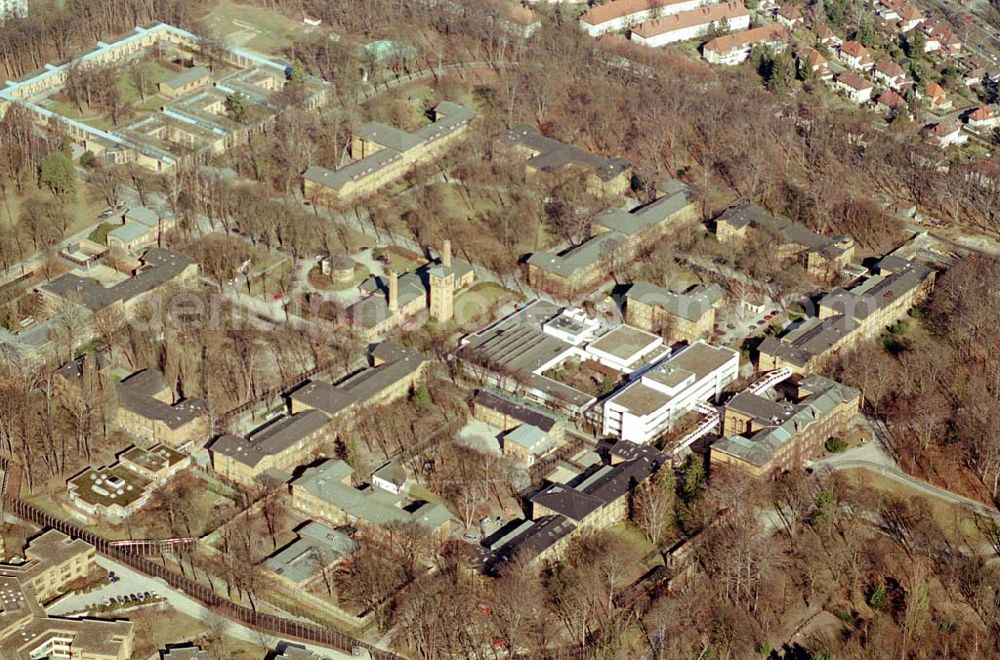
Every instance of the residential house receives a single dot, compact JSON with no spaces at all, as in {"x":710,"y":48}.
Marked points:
{"x":691,"y":24}
{"x":766,"y":435}
{"x":984,"y":117}
{"x":811,"y":60}
{"x":940,"y":37}
{"x":826,"y":37}
{"x":891,"y":103}
{"x":732,"y":49}
{"x":936,"y":97}
{"x":789,"y":16}
{"x":855,"y":56}
{"x":945,"y":134}
{"x":856,"y":88}
{"x":889,"y":74}
{"x":685,"y":316}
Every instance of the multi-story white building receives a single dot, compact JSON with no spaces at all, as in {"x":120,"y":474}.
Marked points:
{"x":13,"y":8}
{"x":621,"y":14}
{"x":646,"y":408}
{"x":691,"y":24}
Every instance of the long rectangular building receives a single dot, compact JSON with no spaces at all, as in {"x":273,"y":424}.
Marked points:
{"x":622,"y":14}
{"x":691,"y":24}
{"x":848,"y":316}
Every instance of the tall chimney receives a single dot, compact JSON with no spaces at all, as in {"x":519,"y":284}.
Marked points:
{"x":393,"y":291}
{"x":446,"y":254}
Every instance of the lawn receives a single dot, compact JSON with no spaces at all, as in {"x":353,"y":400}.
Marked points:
{"x":254,"y":28}
{"x":480,"y":300}
{"x":100,"y":233}
{"x":83,"y":210}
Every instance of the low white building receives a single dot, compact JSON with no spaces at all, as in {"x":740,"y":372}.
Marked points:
{"x":647,"y":407}
{"x":984,"y":117}
{"x":688,"y":25}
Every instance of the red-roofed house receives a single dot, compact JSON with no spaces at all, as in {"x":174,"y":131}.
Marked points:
{"x":789,"y":16}
{"x":891,"y":102}
{"x":985,"y":116}
{"x":825,"y":36}
{"x":889,"y":74}
{"x":810,"y":59}
{"x":856,"y":56}
{"x":940,"y":37}
{"x":936,"y":97}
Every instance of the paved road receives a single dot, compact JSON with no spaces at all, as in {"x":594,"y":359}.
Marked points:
{"x":873,"y":457}
{"x":133,"y":581}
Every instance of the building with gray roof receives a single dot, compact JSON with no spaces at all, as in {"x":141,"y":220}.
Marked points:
{"x":766,"y":432}
{"x":382,"y":154}
{"x":327,"y":491}
{"x":848,"y":316}
{"x":315,"y":548}
{"x":616,"y":238}
{"x":157,"y":268}
{"x":684,"y":316}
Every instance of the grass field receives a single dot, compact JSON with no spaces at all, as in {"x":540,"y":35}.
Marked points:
{"x":83,"y":210}
{"x":253,"y":28}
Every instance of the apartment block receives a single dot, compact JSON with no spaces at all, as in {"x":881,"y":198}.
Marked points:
{"x":767,"y":433}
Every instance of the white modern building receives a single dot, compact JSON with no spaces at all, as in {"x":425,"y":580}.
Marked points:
{"x":13,"y":9}
{"x":647,"y":407}
{"x":619,"y":15}
{"x":691,"y":24}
